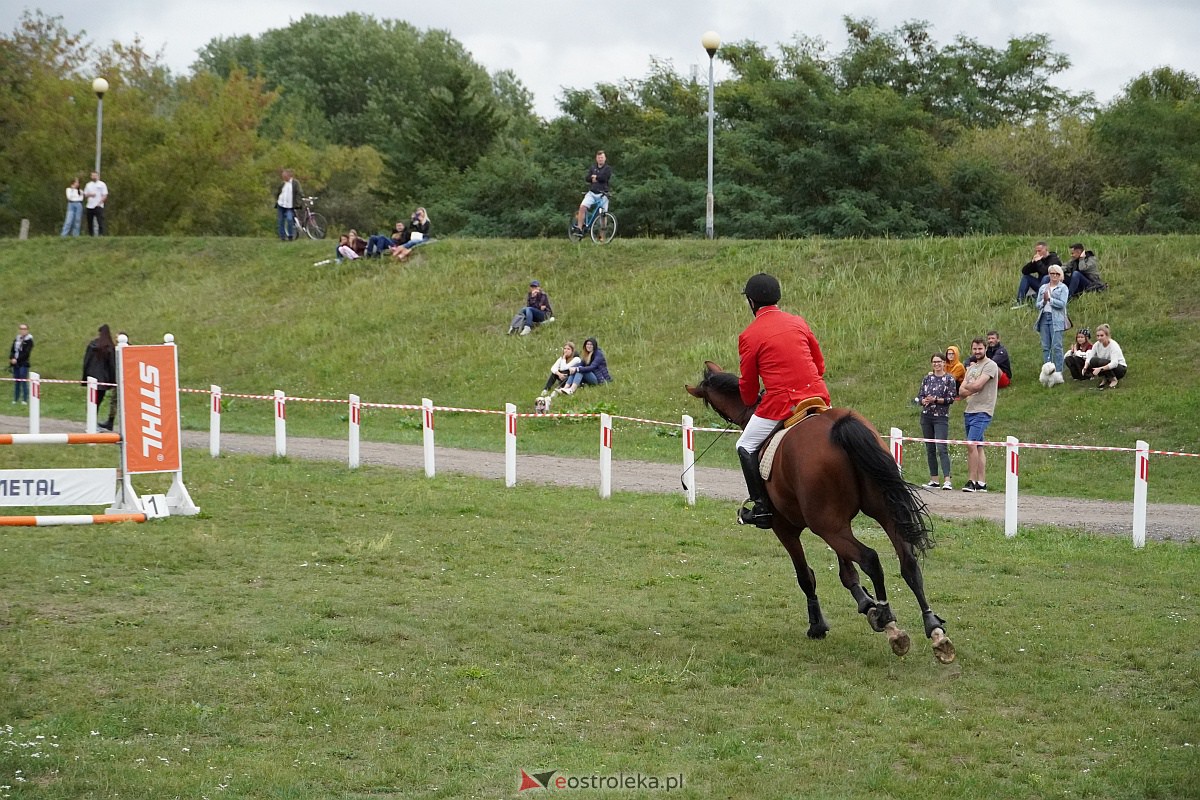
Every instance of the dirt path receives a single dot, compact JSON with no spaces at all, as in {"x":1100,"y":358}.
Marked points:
{"x":1163,"y":521}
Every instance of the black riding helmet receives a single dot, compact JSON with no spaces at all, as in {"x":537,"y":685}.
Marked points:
{"x":762,"y":290}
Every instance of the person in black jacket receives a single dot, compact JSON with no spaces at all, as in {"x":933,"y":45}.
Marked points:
{"x":100,"y":362}
{"x":1036,"y":272}
{"x":418,"y":234}
{"x":999,"y":353}
{"x":597,"y":178}
{"x":18,"y":360}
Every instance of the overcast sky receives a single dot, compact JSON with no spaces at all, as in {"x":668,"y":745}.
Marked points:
{"x":550,"y":44}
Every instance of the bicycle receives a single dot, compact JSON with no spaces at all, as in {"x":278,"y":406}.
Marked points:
{"x":310,"y":222}
{"x":599,"y":222}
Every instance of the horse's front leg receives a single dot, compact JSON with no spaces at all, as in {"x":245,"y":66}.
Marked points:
{"x":789,"y":537}
{"x":849,"y":577}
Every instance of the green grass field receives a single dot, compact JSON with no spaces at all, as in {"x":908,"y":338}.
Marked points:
{"x":320,"y":633}
{"x":324,"y":633}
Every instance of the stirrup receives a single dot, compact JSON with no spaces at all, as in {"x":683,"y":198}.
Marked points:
{"x":754,"y":514}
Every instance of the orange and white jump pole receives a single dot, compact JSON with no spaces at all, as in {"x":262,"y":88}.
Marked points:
{"x":42,"y":520}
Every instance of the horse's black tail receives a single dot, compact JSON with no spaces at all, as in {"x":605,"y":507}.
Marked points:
{"x":876,"y":465}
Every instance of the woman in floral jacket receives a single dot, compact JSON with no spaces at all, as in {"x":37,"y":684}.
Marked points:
{"x":938,"y":391}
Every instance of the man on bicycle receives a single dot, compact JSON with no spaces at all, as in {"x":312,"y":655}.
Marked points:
{"x":598,"y":176}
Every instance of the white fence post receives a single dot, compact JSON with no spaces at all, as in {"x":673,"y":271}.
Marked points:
{"x":1141,"y":478}
{"x":605,"y":456}
{"x":93,"y":388}
{"x":1012,"y":462}
{"x":214,"y":420}
{"x":510,"y":444}
{"x":427,"y":431}
{"x":280,"y":423}
{"x":897,"y":437}
{"x":689,"y":461}
{"x":355,"y":416}
{"x":35,"y":403}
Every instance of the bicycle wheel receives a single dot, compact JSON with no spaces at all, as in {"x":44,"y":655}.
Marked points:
{"x":573,"y":233}
{"x":316,"y":226}
{"x":604,"y":228}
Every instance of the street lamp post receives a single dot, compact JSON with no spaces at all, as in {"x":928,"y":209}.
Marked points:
{"x":711,"y":41}
{"x":99,"y":86}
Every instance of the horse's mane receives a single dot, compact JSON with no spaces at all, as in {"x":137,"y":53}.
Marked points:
{"x":723,"y":382}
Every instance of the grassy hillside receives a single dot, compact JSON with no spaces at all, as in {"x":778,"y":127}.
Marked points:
{"x":254,"y":316}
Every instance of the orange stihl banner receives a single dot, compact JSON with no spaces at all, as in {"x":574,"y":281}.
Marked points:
{"x":149,"y":408}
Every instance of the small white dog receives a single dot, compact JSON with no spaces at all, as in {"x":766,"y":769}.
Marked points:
{"x":542,"y":404}
{"x":1049,"y":376}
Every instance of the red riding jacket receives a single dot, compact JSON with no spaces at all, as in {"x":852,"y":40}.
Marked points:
{"x":781,"y":349}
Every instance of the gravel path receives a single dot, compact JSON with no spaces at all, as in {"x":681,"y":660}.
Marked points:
{"x":1163,"y":521}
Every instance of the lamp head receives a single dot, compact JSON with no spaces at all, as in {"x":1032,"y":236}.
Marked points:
{"x":711,"y":41}
{"x":100,"y":86}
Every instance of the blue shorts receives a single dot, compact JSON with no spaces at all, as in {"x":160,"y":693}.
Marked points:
{"x":976,"y":423}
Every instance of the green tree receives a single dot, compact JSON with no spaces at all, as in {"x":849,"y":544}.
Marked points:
{"x":1147,"y":138}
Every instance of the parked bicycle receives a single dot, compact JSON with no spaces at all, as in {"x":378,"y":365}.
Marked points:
{"x":599,"y":222}
{"x":309,"y":222}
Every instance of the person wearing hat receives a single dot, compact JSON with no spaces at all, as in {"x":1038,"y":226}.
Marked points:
{"x":780,"y":350}
{"x":537,"y":310}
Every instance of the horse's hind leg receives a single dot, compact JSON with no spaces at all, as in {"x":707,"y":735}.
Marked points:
{"x":879,"y":613}
{"x":935,"y":626}
{"x":789,"y":537}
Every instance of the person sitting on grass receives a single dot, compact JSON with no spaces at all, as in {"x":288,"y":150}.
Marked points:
{"x":1078,"y":356}
{"x":561,"y":371}
{"x":1082,"y":272}
{"x":382,"y":243}
{"x":1105,"y":359}
{"x":536,"y":310}
{"x":418,"y":234}
{"x":592,"y":368}
{"x":345,"y":248}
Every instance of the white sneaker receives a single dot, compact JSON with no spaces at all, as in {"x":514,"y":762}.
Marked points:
{"x":525,"y":331}
{"x":948,"y":486}
{"x":933,"y":484}
{"x":550,"y":319}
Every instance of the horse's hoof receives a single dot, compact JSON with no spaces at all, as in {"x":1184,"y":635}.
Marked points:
{"x":873,"y":619}
{"x":899,"y":639}
{"x":817,"y":631}
{"x":943,"y":648}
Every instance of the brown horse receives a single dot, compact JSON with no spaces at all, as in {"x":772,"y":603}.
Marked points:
{"x":829,"y":468}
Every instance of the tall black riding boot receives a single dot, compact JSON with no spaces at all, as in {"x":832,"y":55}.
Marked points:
{"x":760,"y":512}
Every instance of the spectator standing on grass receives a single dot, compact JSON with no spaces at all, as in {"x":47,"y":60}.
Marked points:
{"x":979,"y":388}
{"x":287,"y":200}
{"x":74,"y":209}
{"x":1082,"y":272}
{"x":592,"y":368}
{"x":1078,"y":356}
{"x":1106,"y":361}
{"x":999,"y":353}
{"x":1052,"y":320}
{"x":1034,"y":272}
{"x":100,"y":362}
{"x":597,"y":178}
{"x":938,"y":391}
{"x":18,"y":361}
{"x":536,"y":310}
{"x":560,"y":371}
{"x":96,"y":193}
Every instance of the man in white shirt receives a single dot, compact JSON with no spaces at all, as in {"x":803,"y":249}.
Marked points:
{"x":96,"y":193}
{"x":287,"y":200}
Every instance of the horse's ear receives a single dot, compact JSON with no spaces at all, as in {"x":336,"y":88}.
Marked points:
{"x":711,"y":367}
{"x":694,"y":392}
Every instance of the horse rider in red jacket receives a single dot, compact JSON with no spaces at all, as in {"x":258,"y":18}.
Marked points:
{"x":780,"y":349}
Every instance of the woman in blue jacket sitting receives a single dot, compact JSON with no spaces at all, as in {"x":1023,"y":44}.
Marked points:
{"x":593,"y":367}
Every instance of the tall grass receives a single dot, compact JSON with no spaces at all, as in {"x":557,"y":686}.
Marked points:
{"x":319,"y":633}
{"x":254,"y":316}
